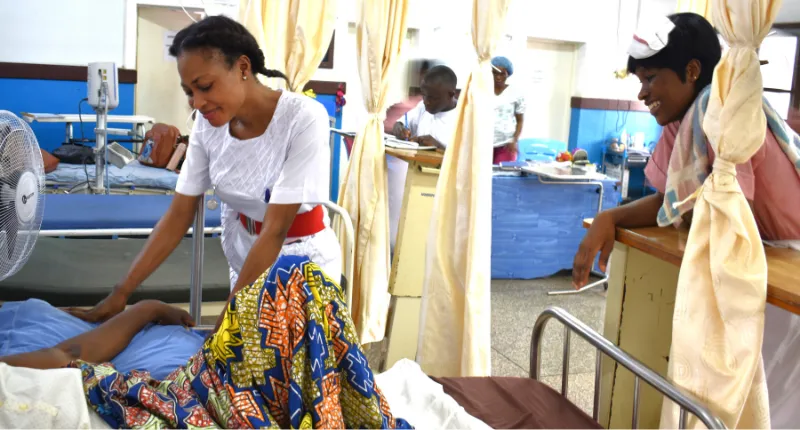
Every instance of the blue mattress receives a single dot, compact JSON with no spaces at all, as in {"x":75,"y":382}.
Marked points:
{"x":96,"y":211}
{"x":132,"y":175}
{"x":33,"y":324}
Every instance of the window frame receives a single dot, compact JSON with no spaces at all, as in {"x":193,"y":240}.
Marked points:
{"x":794,"y":103}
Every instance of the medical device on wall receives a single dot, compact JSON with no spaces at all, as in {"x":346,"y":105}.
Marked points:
{"x":22,"y":182}
{"x":103,"y":86}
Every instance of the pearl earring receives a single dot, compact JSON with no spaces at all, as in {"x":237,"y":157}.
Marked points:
{"x":244,"y":77}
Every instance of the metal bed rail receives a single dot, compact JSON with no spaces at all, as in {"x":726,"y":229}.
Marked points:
{"x":605,"y":347}
{"x":114,"y":232}
{"x":196,"y":282}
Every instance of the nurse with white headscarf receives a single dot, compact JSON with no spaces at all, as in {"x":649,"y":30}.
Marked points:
{"x":509,"y":109}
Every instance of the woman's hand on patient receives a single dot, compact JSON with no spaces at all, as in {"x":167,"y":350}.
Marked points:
{"x":103,"y":311}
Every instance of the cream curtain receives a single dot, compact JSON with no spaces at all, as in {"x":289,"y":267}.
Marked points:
{"x":701,"y":7}
{"x":455,"y":332}
{"x":293,"y":34}
{"x":718,"y":325}
{"x":380,"y":35}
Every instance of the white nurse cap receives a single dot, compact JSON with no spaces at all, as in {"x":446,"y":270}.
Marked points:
{"x":650,"y":38}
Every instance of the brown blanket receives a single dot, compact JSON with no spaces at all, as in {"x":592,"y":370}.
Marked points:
{"x":516,"y":403}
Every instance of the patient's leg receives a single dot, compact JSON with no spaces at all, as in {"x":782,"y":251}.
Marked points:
{"x":105,"y":342}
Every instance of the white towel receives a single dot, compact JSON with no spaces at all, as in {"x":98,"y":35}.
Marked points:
{"x":44,"y":399}
{"x":416,"y":398}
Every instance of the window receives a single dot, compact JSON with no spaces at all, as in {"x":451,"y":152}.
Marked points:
{"x":780,"y":74}
{"x":327,"y":60}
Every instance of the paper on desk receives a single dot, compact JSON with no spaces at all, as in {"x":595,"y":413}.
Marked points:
{"x":393,"y":142}
{"x":791,"y":244}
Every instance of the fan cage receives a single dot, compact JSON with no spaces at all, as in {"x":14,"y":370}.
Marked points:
{"x":20,"y":157}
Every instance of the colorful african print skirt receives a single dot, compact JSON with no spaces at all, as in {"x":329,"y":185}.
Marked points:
{"x":286,"y":355}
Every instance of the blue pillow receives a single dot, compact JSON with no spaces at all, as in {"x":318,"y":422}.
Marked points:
{"x":33,"y":324}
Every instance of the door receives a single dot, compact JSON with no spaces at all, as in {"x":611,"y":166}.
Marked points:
{"x":158,"y":90}
{"x":545,"y":74}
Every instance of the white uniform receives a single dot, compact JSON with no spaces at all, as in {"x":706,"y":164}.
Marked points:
{"x":421,"y":123}
{"x":289,"y":163}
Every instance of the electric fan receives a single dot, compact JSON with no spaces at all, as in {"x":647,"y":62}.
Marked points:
{"x":21,"y":193}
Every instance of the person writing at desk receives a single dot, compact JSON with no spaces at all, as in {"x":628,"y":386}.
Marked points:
{"x":431,"y":123}
{"x":675,"y":78}
{"x":264,"y":152}
{"x":396,"y":111}
{"x":509,"y":110}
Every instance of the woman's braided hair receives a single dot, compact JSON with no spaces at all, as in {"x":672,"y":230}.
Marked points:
{"x":227,"y":35}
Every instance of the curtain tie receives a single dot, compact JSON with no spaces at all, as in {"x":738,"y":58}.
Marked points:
{"x":723,"y":167}
{"x":379,"y":116}
{"x":744,"y":44}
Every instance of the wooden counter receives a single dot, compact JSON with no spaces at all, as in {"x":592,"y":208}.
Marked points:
{"x":668,"y":244}
{"x":640,"y":301}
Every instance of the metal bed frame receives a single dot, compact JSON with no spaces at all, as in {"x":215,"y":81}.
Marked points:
{"x":196,"y":282}
{"x":605,"y":347}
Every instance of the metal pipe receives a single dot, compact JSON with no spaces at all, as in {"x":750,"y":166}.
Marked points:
{"x":597,"y":380}
{"x":582,"y":289}
{"x":684,"y":418}
{"x":196,"y":292}
{"x":100,"y":150}
{"x":349,"y":245}
{"x":623,"y":358}
{"x":115,"y":131}
{"x":635,"y":417}
{"x":114,"y":232}
{"x":68,"y":132}
{"x":565,"y":363}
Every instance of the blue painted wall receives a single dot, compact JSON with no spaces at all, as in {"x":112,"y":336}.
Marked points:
{"x":329,"y":101}
{"x":44,"y":96}
{"x":591,"y":129}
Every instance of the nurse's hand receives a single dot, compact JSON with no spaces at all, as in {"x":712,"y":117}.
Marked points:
{"x":400,"y":131}
{"x":600,"y":238}
{"x":105,"y":310}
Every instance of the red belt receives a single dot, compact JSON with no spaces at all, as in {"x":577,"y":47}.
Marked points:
{"x":305,"y":224}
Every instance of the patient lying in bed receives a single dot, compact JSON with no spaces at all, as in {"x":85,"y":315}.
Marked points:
{"x":285,"y":355}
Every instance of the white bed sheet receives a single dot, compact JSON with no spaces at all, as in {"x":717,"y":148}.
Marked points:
{"x":54,"y":398}
{"x":44,"y":399}
{"x":416,"y":398}
{"x":134,"y":174}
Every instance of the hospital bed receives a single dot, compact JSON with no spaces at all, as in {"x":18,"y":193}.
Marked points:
{"x":135,"y":178}
{"x":33,"y":324}
{"x":474,"y":403}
